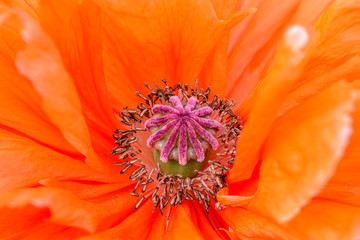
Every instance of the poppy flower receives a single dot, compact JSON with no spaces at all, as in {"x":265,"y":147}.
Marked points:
{"x":281,"y":163}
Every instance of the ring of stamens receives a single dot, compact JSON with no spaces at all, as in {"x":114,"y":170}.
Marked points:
{"x":165,"y":189}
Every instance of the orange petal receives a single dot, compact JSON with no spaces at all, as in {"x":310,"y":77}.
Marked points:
{"x":158,"y":232}
{"x":85,"y":189}
{"x":187,"y":221}
{"x":224,"y":9}
{"x":60,"y":100}
{"x":233,"y":200}
{"x":318,"y":220}
{"x":248,"y":38}
{"x":136,"y":226}
{"x":150,"y":43}
{"x":308,"y":11}
{"x":344,"y":186}
{"x":24,"y":163}
{"x":115,"y":207}
{"x":240,"y":193}
{"x":48,"y":230}
{"x":40,"y":62}
{"x":335,"y":56}
{"x":30,"y":7}
{"x":252,"y":42}
{"x":302,"y":152}
{"x":244,"y":224}
{"x":344,"y":191}
{"x":75,"y":29}
{"x":14,"y":222}
{"x":208,"y":224}
{"x":63,"y":207}
{"x":312,"y":84}
{"x":267,"y":101}
{"x":181,"y":225}
{"x":214,"y":71}
{"x":20,"y":104}
{"x":326,"y":220}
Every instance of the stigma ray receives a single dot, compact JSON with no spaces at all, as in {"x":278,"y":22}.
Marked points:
{"x":184,"y":121}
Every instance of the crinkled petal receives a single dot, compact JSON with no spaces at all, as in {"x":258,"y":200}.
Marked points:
{"x":344,"y":186}
{"x":326,"y":220}
{"x":48,"y":230}
{"x":14,"y":222}
{"x":268,"y":99}
{"x":85,"y":189}
{"x":240,"y":193}
{"x":302,"y":152}
{"x":252,"y":42}
{"x":23,"y":163}
{"x":20,"y":103}
{"x":233,"y":200}
{"x":41,"y":63}
{"x":336,"y":54}
{"x":149,"y":43}
{"x":75,"y":27}
{"x":245,"y":224}
{"x":181,"y":225}
{"x":189,"y":222}
{"x":318,"y":220}
{"x":63,"y":208}
{"x":135,"y":226}
{"x":224,"y":8}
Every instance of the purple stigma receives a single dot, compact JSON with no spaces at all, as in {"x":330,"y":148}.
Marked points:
{"x":183,"y":122}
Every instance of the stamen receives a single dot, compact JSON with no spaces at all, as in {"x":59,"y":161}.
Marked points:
{"x":190,"y":134}
{"x":139,"y":202}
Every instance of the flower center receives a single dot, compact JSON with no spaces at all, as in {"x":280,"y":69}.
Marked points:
{"x":179,"y":145}
{"x":182,"y":133}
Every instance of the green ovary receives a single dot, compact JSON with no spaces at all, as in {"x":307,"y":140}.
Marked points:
{"x":173,"y":167}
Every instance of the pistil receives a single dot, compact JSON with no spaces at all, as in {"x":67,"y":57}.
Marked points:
{"x":180,"y":125}
{"x":182,"y":122}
